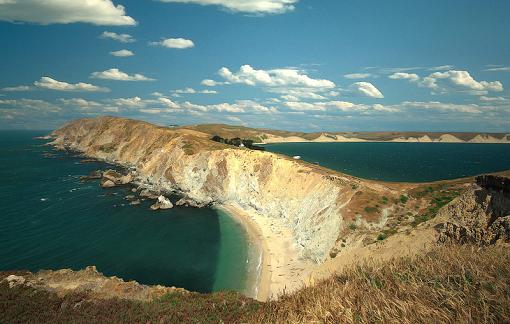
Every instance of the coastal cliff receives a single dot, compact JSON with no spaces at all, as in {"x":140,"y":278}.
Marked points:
{"x":302,"y":197}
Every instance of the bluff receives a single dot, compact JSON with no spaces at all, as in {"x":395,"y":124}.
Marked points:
{"x":307,"y":199}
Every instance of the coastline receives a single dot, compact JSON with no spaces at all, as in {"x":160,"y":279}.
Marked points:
{"x":282,"y":270}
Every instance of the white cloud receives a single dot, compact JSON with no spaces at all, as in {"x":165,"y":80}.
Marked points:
{"x":443,"y":82}
{"x":123,"y":38}
{"x":446,"y":107}
{"x":52,"y":84}
{"x":97,"y":12}
{"x":179,"y":43}
{"x":273,"y":78}
{"x":81,"y":103}
{"x":412,"y":77}
{"x":168,"y":103}
{"x":212,"y":83}
{"x":122,"y":53}
{"x":193,"y":91}
{"x":318,"y":106}
{"x":18,"y":88}
{"x":129,"y":102}
{"x":247,"y":6}
{"x":358,"y":76}
{"x":116,"y":74}
{"x":465,"y":80}
{"x":499,"y":69}
{"x":441,"y":68}
{"x":33,"y":104}
{"x":240,"y":106}
{"x":494,"y":99}
{"x":367,"y":89}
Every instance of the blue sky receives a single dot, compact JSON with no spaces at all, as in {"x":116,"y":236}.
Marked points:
{"x":334,"y":65}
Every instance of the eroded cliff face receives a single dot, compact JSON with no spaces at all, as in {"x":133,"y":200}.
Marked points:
{"x":306,"y":199}
{"x":480,"y":215}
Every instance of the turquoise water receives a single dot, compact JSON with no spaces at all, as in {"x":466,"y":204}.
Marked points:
{"x":403,"y":162}
{"x":51,"y":220}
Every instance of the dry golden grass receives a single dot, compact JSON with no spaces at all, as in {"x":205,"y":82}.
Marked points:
{"x":450,"y":284}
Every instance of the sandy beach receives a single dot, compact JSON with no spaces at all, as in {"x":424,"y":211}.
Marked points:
{"x":282,"y":270}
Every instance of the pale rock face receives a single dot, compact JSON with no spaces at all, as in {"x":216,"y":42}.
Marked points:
{"x":164,"y":203}
{"x":306,"y":200}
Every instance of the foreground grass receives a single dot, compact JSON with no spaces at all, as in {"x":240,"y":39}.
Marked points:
{"x":449,"y":284}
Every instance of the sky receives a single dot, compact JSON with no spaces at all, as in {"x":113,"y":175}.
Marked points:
{"x":307,"y":65}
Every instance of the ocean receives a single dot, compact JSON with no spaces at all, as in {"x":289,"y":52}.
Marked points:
{"x":52,"y":220}
{"x":402,"y":162}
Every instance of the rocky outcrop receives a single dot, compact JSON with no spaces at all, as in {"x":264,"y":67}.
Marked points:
{"x":307,"y":199}
{"x":162,"y":203}
{"x":89,"y":282}
{"x":189,"y":203}
{"x":480,"y":216}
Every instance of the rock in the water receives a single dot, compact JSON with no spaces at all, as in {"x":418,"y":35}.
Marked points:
{"x":117,"y":178}
{"x":148,"y":194}
{"x":163,"y":203}
{"x":135,"y":202}
{"x":189,"y":203}
{"x":130,"y":197}
{"x":92,"y":176}
{"x":106,"y":183}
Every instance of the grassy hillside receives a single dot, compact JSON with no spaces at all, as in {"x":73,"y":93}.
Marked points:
{"x":448,"y":284}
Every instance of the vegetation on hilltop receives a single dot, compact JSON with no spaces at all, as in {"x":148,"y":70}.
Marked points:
{"x":449,"y":284}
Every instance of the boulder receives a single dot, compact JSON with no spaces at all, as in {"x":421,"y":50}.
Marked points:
{"x":117,"y":178}
{"x":14,"y":280}
{"x":148,"y":194}
{"x":106,"y":183}
{"x":92,"y":176}
{"x":189,"y":203}
{"x":162,"y":203}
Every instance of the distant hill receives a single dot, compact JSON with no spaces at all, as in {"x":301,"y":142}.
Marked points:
{"x":261,"y":135}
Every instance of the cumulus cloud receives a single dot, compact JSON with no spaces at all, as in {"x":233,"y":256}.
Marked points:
{"x":273,"y":78}
{"x":179,"y":43}
{"x":443,"y":82}
{"x":80,"y":102}
{"x":367,"y":89}
{"x":123,"y":38}
{"x":465,"y":80}
{"x":52,"y":84}
{"x":358,"y":75}
{"x":130,"y":102}
{"x":122,"y":53}
{"x":97,"y":12}
{"x":412,"y":77}
{"x":116,"y":74}
{"x":244,"y":6}
{"x":212,"y":83}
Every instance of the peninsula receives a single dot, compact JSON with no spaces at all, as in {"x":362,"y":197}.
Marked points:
{"x":308,"y":223}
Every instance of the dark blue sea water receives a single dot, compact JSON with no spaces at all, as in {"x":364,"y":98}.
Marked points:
{"x":51,"y":220}
{"x":403,"y":162}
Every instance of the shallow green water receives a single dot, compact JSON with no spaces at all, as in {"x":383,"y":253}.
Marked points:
{"x":51,"y":220}
{"x":409,"y":162}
